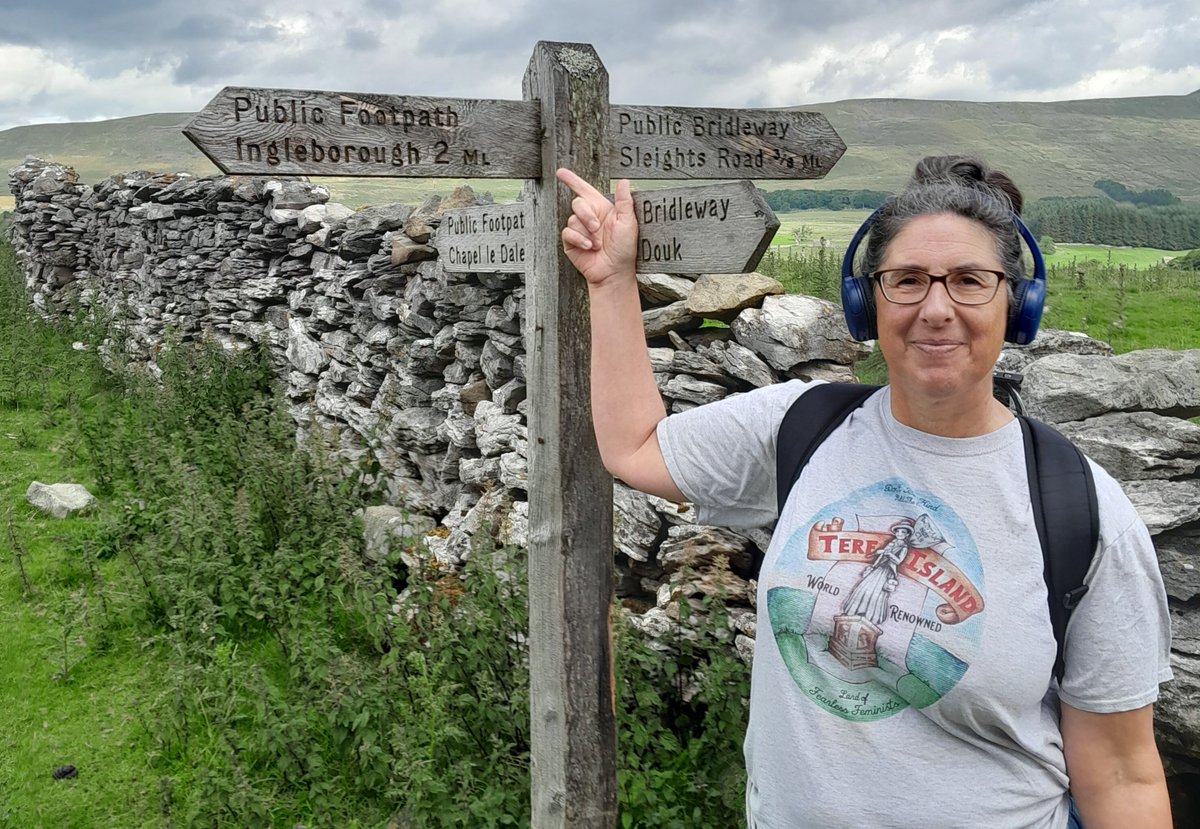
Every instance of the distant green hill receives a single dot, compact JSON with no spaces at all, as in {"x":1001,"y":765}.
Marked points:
{"x":1050,"y":149}
{"x":97,"y":149}
{"x":1057,"y":148}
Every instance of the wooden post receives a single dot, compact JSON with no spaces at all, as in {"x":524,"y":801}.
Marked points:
{"x":573,"y":776}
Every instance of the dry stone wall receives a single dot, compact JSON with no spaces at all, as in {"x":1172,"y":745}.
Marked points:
{"x":423,"y":370}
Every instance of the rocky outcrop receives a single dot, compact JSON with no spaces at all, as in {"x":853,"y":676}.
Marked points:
{"x":1069,"y":387}
{"x":1130,"y":413}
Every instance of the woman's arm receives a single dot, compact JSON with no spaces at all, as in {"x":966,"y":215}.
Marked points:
{"x":600,"y":239}
{"x":1116,"y":774}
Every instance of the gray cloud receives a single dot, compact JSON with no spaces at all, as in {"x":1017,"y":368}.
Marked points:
{"x":80,"y":59}
{"x":361,"y":40}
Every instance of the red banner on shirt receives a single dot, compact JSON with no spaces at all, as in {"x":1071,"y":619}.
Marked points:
{"x":925,"y":566}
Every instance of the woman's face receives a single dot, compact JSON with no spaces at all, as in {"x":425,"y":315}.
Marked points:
{"x":938,"y":348}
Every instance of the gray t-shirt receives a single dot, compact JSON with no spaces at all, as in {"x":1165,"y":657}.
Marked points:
{"x":903,"y":666}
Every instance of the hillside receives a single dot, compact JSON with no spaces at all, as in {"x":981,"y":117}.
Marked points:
{"x":1056,"y":148}
{"x":97,"y":149}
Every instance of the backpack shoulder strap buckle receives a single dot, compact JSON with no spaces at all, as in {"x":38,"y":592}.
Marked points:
{"x":1072,"y":598}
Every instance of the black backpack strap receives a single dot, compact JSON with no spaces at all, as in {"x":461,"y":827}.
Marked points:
{"x":810,"y":420}
{"x":1063,"y":494}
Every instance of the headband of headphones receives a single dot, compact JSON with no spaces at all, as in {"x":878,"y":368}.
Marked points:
{"x":1024,"y":316}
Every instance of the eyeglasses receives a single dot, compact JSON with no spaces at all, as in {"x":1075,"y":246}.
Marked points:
{"x":970,"y":286}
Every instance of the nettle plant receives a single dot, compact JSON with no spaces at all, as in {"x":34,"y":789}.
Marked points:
{"x":296,"y":691}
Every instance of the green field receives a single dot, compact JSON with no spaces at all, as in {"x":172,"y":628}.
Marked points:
{"x":837,"y":226}
{"x":1129,"y":308}
{"x":1067,"y":254}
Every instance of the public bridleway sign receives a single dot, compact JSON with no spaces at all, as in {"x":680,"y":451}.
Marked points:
{"x":563,"y":120}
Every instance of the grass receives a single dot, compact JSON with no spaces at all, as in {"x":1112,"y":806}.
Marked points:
{"x":1073,"y":255}
{"x":837,"y":226}
{"x":70,"y":689}
{"x":88,"y":720}
{"x":1128,"y":307}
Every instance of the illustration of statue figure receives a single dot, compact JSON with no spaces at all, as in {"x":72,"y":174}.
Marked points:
{"x":870,"y":597}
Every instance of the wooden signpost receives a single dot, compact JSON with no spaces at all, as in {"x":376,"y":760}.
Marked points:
{"x":565,"y":120}
{"x":717,"y":228}
{"x":487,"y":238}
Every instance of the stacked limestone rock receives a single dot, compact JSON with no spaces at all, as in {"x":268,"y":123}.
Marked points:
{"x":51,"y":231}
{"x":422,"y":367}
{"x":164,"y":257}
{"x":1130,"y":413}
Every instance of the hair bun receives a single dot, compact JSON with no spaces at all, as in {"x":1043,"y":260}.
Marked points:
{"x":970,"y":172}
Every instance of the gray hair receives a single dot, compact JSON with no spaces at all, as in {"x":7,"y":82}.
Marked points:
{"x":958,"y":186}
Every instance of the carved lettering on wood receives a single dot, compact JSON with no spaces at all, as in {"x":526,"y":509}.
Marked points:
{"x":683,"y":142}
{"x":299,"y":132}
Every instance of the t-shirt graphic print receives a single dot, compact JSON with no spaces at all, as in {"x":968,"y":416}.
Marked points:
{"x":876,"y":602}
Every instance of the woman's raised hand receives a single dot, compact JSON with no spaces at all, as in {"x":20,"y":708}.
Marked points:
{"x":600,"y":238}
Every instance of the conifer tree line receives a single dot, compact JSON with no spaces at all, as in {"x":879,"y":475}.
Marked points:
{"x":1142,"y":198}
{"x":1099,"y":221}
{"x":786,"y":200}
{"x":1092,"y":220}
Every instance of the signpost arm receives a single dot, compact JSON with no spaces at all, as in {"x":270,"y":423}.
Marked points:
{"x":573,"y":726}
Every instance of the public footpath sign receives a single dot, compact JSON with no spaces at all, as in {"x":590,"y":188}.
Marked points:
{"x":563,"y":120}
{"x":487,"y":238}
{"x":291,"y":132}
{"x":717,"y":228}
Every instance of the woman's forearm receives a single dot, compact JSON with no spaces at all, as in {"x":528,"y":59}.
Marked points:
{"x":601,"y":241}
{"x":626,"y":403}
{"x":1124,"y":805}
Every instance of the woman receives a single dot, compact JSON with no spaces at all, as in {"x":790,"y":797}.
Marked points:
{"x":934,"y":716}
{"x":869,"y":598}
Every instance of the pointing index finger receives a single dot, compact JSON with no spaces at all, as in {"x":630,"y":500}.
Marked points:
{"x":577,"y":184}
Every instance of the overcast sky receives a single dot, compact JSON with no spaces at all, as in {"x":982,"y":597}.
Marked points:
{"x":80,"y":60}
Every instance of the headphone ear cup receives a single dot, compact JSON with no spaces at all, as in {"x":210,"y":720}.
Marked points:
{"x":1029,"y":296}
{"x":858,"y":304}
{"x":858,"y":294}
{"x":1025,"y":315}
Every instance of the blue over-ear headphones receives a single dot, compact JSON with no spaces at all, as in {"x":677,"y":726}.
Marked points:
{"x":1024,"y":315}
